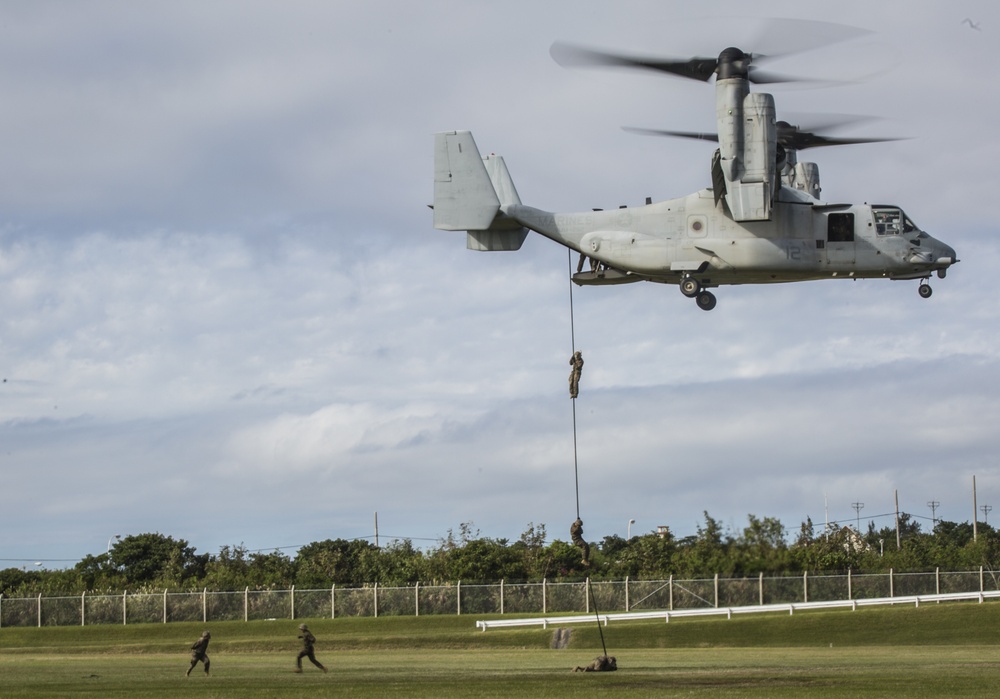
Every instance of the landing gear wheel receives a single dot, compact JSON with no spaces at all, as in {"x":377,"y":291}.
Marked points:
{"x":690,"y":287}
{"x":706,"y":300}
{"x":925,"y":291}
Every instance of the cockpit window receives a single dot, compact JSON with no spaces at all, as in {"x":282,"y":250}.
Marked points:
{"x":892,"y":221}
{"x":888,"y":221}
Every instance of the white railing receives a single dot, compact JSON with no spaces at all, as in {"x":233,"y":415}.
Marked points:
{"x":728,"y":612}
{"x":674,"y":595}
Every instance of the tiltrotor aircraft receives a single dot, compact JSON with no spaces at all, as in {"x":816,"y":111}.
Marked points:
{"x":761,"y":222}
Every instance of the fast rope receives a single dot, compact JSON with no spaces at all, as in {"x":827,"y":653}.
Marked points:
{"x":576,"y":462}
{"x":572,"y":333}
{"x":597,"y":614}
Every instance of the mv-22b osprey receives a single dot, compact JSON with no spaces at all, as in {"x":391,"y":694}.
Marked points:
{"x":761,"y":222}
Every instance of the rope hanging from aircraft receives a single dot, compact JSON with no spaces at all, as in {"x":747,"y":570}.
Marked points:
{"x":576,"y":531}
{"x":574,"y":385}
{"x":576,"y":361}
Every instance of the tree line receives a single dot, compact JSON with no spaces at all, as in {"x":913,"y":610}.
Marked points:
{"x":155,"y":561}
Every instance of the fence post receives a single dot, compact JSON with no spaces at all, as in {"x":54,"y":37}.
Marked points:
{"x":164,"y":605}
{"x":627,"y":602}
{"x":671,"y":583}
{"x":981,"y":588}
{"x":892,"y":584}
{"x":716,"y":590}
{"x":292,"y":602}
{"x":83,"y":609}
{"x":1,"y":610}
{"x":586,"y":594}
{"x":501,"y":595}
{"x":204,"y":605}
{"x":375,"y":592}
{"x":850,"y":589}
{"x":937,"y":580}
{"x":459,"y":596}
{"x":805,"y":586}
{"x":125,"y":608}
{"x":416,"y":599}
{"x":39,"y":610}
{"x":246,"y":603}
{"x":762,"y":588}
{"x":333,"y":601}
{"x":545,"y":591}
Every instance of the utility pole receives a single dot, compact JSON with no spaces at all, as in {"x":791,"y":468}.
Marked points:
{"x":986,"y":513}
{"x":826,"y":511}
{"x":933,"y":504}
{"x":898,"y":542}
{"x":376,"y":529}
{"x":975,"y":517}
{"x":858,"y":506}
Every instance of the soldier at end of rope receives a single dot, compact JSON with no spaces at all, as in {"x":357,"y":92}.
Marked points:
{"x":576,"y":534}
{"x":602,"y":663}
{"x":576,"y":361}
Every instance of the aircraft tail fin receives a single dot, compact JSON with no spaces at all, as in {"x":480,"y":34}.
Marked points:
{"x":469,"y":191}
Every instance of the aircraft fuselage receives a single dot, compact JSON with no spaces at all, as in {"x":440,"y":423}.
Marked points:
{"x":693,"y":237}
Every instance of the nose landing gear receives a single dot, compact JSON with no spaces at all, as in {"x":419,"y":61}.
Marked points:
{"x":924,"y":289}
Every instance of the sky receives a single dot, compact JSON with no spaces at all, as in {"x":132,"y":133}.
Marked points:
{"x":225,"y":315}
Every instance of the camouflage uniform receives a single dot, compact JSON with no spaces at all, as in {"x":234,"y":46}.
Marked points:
{"x":576,"y":534}
{"x":308,"y":641}
{"x":602,"y":663}
{"x":576,"y":361}
{"x":198,"y":652}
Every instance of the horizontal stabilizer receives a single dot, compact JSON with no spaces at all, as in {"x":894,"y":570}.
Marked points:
{"x":496,"y":240}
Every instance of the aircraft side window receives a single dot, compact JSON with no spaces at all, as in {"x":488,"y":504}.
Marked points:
{"x":840,"y":228}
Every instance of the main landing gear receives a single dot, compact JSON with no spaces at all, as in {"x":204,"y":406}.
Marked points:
{"x":924,"y":289}
{"x":691,"y":288}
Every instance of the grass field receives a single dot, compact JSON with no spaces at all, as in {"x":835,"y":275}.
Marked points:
{"x":933,"y":651}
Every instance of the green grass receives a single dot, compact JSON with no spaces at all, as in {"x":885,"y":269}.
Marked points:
{"x":935,"y":650}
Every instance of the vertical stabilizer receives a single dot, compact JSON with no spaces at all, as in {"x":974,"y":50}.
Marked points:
{"x":464,"y":197}
{"x":502,"y":182}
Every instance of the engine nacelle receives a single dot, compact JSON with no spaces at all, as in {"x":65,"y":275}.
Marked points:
{"x":804,"y":177}
{"x":751,"y":184}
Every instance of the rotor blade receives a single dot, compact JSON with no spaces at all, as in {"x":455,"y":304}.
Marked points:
{"x":570,"y":56}
{"x":678,"y":134}
{"x":782,"y":37}
{"x":763,"y":77}
{"x":805,"y":121}
{"x":697,"y":68}
{"x":803,"y":139}
{"x":788,"y":136}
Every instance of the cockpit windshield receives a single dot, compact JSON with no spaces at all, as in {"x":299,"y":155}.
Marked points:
{"x":890,"y":220}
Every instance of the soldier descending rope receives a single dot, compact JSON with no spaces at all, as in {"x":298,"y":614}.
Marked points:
{"x":576,"y":361}
{"x":576,"y":534}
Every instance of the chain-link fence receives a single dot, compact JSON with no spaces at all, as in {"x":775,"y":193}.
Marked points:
{"x":481,"y":599}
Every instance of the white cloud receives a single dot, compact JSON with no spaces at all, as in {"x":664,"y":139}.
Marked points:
{"x":220,"y":291}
